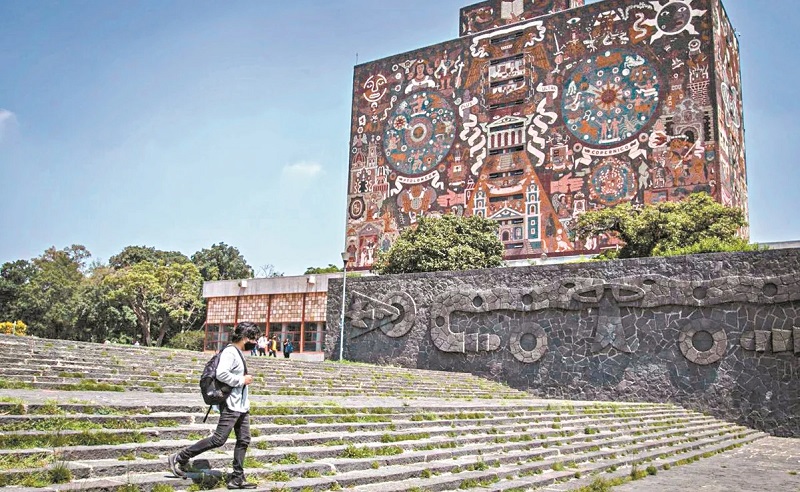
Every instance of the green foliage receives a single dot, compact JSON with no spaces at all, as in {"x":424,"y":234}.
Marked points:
{"x":696,"y":225}
{"x":221,"y":262}
{"x":188,"y":340}
{"x":131,"y":255}
{"x":331,"y":268}
{"x":161,"y":296}
{"x":447,"y":243}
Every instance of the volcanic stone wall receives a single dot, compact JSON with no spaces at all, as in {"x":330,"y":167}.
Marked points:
{"x":717,"y":333}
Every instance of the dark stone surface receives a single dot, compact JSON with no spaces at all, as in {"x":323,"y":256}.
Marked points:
{"x":716,"y":333}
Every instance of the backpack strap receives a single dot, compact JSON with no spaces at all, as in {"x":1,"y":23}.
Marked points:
{"x":240,"y":356}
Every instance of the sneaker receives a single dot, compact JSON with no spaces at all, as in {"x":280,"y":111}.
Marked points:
{"x":240,"y":483}
{"x":176,"y":467}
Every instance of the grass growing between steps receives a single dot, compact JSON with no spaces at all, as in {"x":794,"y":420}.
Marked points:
{"x":57,"y":474}
{"x":13,"y":462}
{"x":60,"y":440}
{"x":62,"y":424}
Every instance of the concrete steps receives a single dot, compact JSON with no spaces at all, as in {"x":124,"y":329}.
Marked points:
{"x":388,"y":436}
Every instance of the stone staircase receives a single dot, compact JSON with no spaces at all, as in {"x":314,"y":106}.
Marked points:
{"x":365,"y":428}
{"x":62,"y":365}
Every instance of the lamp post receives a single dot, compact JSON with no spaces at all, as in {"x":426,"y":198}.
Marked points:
{"x":345,"y":258}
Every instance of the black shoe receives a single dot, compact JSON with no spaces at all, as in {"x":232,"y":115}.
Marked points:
{"x":240,"y":483}
{"x":176,"y":467}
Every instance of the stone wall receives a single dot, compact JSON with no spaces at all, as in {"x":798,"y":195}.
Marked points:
{"x":717,"y":333}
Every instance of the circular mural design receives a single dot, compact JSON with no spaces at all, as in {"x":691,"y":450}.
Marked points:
{"x":709,"y":347}
{"x":357,"y":208}
{"x":612,"y":181}
{"x":610,"y":98}
{"x":674,"y":17}
{"x":419,"y":133}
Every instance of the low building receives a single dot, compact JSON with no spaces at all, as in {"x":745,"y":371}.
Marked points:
{"x":286,"y":307}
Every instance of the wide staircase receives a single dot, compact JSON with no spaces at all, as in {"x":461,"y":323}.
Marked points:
{"x":77,"y":416}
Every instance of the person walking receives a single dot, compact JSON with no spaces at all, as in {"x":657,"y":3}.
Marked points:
{"x":234,"y":412}
{"x":262,"y":344}
{"x":288,"y":348}
{"x":273,"y":346}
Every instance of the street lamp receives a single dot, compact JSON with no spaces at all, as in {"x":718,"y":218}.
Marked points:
{"x":345,"y":258}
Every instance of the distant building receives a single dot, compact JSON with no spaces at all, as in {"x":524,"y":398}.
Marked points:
{"x":287,"y":307}
{"x":541,"y":111}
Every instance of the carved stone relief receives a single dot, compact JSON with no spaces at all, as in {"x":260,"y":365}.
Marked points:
{"x":394,"y":314}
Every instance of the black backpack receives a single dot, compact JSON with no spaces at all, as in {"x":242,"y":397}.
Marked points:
{"x":214,"y":391}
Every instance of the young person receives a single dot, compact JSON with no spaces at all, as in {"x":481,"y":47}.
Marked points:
{"x":234,"y":413}
{"x":288,"y":348}
{"x":273,"y":347}
{"x":262,"y":344}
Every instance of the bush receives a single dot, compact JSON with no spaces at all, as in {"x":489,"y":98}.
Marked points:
{"x":11,"y":328}
{"x":188,"y":340}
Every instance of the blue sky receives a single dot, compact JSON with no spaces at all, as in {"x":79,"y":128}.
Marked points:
{"x":180,"y":124}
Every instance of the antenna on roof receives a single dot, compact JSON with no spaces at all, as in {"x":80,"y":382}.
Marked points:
{"x":356,"y":58}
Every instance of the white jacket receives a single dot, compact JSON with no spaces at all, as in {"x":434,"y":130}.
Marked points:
{"x":230,"y":371}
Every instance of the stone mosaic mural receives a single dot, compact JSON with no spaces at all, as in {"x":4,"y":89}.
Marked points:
{"x":719,"y":333}
{"x":542,"y":110}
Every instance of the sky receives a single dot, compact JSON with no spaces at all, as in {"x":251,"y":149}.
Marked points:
{"x":178,"y":124}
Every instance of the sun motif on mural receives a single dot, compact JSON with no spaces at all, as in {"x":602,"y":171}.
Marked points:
{"x":610,"y":98}
{"x":419,"y":133}
{"x":673,"y":18}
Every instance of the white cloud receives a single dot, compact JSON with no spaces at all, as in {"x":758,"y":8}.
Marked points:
{"x":305,"y":170}
{"x":8,"y":123}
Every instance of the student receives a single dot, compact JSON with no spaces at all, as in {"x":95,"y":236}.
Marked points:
{"x":234,"y":413}
{"x":262,"y":345}
{"x":288,"y":348}
{"x":273,"y":346}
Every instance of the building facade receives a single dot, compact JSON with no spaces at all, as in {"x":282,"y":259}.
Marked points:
{"x":541,"y":111}
{"x":287,"y":307}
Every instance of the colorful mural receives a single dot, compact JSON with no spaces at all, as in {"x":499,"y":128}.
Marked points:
{"x":532,"y":121}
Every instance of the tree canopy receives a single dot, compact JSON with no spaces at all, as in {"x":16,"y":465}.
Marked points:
{"x":697,"y":224}
{"x":132,"y":255}
{"x":222,"y":262}
{"x":331,"y":268}
{"x":447,"y":243}
{"x":142,"y":292}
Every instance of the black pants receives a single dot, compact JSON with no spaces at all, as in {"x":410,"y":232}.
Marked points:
{"x":262,"y":351}
{"x":228,"y":420}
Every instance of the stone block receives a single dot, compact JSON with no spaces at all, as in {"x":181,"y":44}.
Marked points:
{"x":762,"y":340}
{"x":781,"y":340}
{"x":796,"y":340}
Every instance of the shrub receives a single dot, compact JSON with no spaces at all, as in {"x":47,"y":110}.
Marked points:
{"x":13,"y":328}
{"x":188,"y":340}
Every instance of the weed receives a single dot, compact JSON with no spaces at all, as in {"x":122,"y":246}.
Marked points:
{"x":279,"y":476}
{"x":311,"y":473}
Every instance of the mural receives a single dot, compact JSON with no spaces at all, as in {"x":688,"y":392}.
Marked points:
{"x":538,"y":114}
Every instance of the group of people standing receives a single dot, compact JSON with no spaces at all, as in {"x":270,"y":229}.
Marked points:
{"x":269,"y":346}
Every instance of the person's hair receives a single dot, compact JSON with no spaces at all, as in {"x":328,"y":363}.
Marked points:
{"x":245,"y":329}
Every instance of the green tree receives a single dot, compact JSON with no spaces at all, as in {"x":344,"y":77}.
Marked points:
{"x":13,"y":276}
{"x":161,"y":297}
{"x":697,"y":224}
{"x":132,"y":255}
{"x":447,"y":243}
{"x":221,"y":262}
{"x":48,"y":301}
{"x":98,"y":316}
{"x":331,"y":268}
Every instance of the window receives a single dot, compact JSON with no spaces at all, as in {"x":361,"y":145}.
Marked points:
{"x":502,"y":105}
{"x":507,"y":38}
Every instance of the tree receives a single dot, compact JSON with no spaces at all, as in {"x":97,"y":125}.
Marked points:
{"x":221,"y":262}
{"x":13,"y":275}
{"x":47,"y":302}
{"x":132,"y":255}
{"x":161,"y":297}
{"x":268,"y":271}
{"x":447,"y":243}
{"x":696,"y":225}
{"x":331,"y":268}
